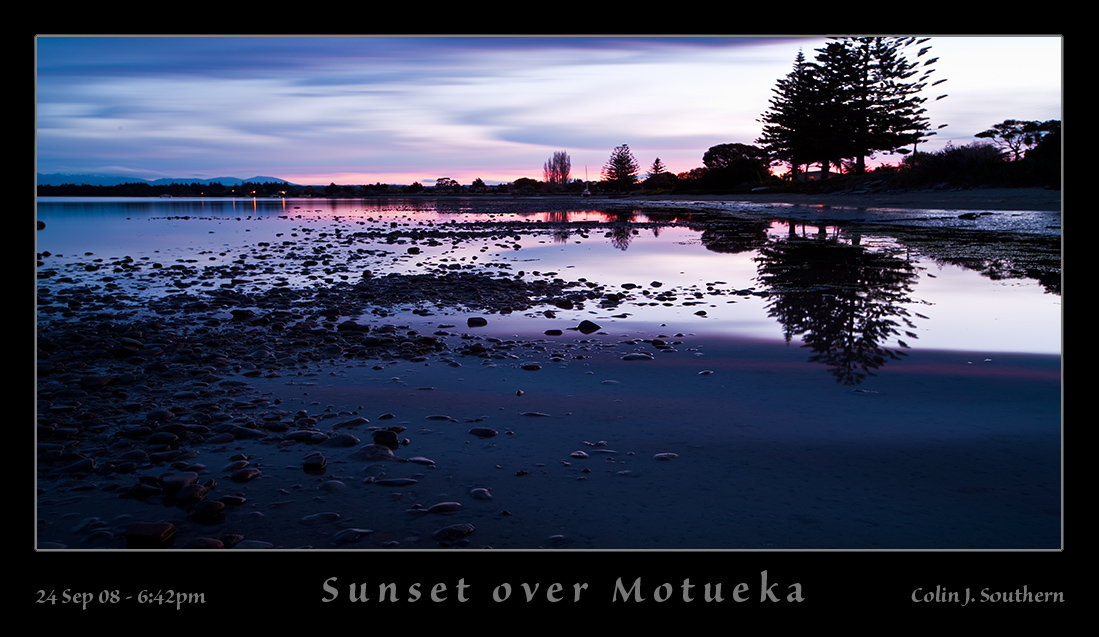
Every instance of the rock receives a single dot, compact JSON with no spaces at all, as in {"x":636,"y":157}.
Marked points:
{"x":396,"y":482}
{"x":588,"y":327}
{"x":173,"y":482}
{"x":351,"y":423}
{"x":343,"y":439}
{"x":160,"y":414}
{"x":532,"y":367}
{"x":452,"y":532}
{"x":476,"y":321}
{"x":637,"y":356}
{"x":666,"y":456}
{"x":84,"y":465}
{"x":480,"y":493}
{"x":348,"y":536}
{"x":208,"y":512}
{"x":320,"y":518}
{"x":372,"y":452}
{"x":386,"y":438}
{"x":422,"y":460}
{"x":314,"y":462}
{"x":483,"y":432}
{"x":191,"y":494}
{"x":150,"y":535}
{"x":244,"y":475}
{"x":578,"y":454}
{"x":444,"y":507}
{"x":253,"y":544}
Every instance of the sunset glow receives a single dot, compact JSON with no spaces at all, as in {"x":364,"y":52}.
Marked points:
{"x":363,"y":110}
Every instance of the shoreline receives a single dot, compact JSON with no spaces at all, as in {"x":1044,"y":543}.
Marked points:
{"x":1008,"y":199}
{"x":1036,"y":199}
{"x":285,"y":418}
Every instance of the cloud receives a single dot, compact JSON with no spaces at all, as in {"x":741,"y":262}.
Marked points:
{"x":339,"y":105}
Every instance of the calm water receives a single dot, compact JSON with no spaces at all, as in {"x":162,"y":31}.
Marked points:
{"x":876,"y":286}
{"x":839,"y":383}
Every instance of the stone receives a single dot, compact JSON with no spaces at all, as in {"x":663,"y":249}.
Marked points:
{"x":314,"y":462}
{"x":480,"y":493}
{"x":452,"y":532}
{"x":324,"y":517}
{"x":372,"y":452}
{"x":444,"y":507}
{"x":348,"y":536}
{"x":396,"y":482}
{"x":244,"y":475}
{"x":208,"y":512}
{"x":343,"y":439}
{"x":588,"y":327}
{"x":150,"y":535}
{"x":386,"y":437}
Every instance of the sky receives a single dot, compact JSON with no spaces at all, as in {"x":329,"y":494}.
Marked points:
{"x":363,"y":110}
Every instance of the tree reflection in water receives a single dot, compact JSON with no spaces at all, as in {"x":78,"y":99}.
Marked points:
{"x":844,"y":299}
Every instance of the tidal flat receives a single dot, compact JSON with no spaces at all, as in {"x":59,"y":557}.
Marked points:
{"x":566,"y":374}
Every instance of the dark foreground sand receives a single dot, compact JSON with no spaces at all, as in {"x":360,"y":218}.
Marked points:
{"x":633,"y":437}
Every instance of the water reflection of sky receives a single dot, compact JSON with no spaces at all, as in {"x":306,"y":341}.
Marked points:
{"x":948,"y":307}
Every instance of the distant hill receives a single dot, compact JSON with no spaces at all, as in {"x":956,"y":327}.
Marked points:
{"x":57,"y":179}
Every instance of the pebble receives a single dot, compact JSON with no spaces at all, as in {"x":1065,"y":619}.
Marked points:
{"x":444,"y":507}
{"x":343,"y":439}
{"x":253,"y":544}
{"x":483,"y":432}
{"x":385,"y":437}
{"x":421,"y":460}
{"x":244,"y":475}
{"x":588,"y":327}
{"x":372,"y":452}
{"x":208,"y":512}
{"x":396,"y":482}
{"x":314,"y":462}
{"x":349,"y":536}
{"x":666,"y":456}
{"x":452,"y":532}
{"x":480,"y":493}
{"x":150,"y":535}
{"x":320,"y":518}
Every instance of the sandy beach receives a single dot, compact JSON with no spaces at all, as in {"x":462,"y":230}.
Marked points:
{"x":286,"y":420}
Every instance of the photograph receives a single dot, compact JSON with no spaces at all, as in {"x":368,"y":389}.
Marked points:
{"x":553,"y":321}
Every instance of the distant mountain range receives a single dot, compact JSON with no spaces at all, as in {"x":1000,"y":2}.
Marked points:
{"x":57,"y":179}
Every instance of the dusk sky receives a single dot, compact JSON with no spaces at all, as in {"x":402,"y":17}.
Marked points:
{"x":361,"y":110}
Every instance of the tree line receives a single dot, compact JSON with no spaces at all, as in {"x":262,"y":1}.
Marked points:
{"x":857,"y":97}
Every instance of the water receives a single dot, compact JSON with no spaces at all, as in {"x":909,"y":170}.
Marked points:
{"x":846,"y":379}
{"x":935,"y":303}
